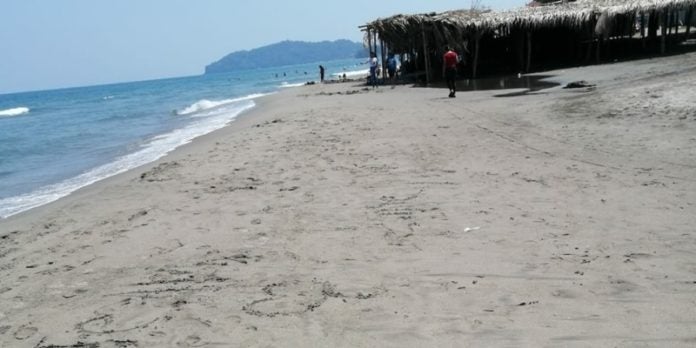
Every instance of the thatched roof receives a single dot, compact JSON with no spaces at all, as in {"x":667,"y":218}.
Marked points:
{"x":448,"y":26}
{"x":571,"y":14}
{"x":575,"y":13}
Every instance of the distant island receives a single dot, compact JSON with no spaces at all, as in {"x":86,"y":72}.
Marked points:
{"x":288,"y":53}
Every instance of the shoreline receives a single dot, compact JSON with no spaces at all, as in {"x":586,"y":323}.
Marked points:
{"x":258,"y":101}
{"x":334,"y":215}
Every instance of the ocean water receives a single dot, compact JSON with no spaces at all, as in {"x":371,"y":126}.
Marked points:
{"x":55,"y":142}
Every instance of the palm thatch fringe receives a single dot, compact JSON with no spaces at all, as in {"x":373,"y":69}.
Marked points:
{"x":562,"y":13}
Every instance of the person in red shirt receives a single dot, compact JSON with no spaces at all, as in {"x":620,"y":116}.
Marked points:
{"x":449,"y":70}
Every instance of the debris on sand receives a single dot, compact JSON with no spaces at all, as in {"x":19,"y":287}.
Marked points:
{"x":579,"y":84}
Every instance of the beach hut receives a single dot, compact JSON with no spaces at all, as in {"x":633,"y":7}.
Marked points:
{"x":541,"y":35}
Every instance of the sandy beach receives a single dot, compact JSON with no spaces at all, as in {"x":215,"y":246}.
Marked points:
{"x":338,"y":216}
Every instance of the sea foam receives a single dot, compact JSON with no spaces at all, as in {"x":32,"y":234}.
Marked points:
{"x":14,"y":112}
{"x":291,"y":85}
{"x":352,"y":73}
{"x":205,"y":104}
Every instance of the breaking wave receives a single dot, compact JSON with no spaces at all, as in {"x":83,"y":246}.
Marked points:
{"x":14,"y":112}
{"x":205,"y":104}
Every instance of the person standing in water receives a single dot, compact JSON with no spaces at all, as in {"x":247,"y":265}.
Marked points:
{"x":449,"y":70}
{"x":321,"y":72}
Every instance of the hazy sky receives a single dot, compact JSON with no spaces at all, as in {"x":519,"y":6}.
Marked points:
{"x":48,"y":44}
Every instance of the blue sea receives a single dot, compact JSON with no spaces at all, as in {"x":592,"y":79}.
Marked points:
{"x":55,"y":142}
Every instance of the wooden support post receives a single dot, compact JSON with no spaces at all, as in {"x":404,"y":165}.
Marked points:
{"x":663,"y":42}
{"x":578,"y":48}
{"x":413,"y":54}
{"x":384,"y":61}
{"x":528,"y":64}
{"x":688,"y":19}
{"x":642,"y":25}
{"x":374,"y":42}
{"x":607,"y":46}
{"x":402,"y":56}
{"x":652,"y":27}
{"x":369,"y":40}
{"x":477,"y":39}
{"x":588,"y":33}
{"x":519,"y":47}
{"x":598,"y":52}
{"x":642,"y":29}
{"x":427,"y":56}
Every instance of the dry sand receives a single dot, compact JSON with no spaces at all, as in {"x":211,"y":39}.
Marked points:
{"x":331,"y":216}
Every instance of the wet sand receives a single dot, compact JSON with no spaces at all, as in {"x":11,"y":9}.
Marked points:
{"x":332,"y":215}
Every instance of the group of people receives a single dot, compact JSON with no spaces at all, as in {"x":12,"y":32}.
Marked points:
{"x":322,"y":72}
{"x":374,"y":69}
{"x":450,"y":61}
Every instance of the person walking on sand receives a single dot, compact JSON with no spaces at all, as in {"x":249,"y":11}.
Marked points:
{"x":321,"y":73}
{"x":373,"y":70}
{"x":449,"y":70}
{"x":391,"y":68}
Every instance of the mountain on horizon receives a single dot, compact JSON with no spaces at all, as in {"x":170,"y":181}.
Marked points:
{"x":287,"y":53}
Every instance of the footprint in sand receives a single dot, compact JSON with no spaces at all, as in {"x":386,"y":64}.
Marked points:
{"x":25,"y":332}
{"x":4,"y":329}
{"x":190,"y":341}
{"x":288,"y":298}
